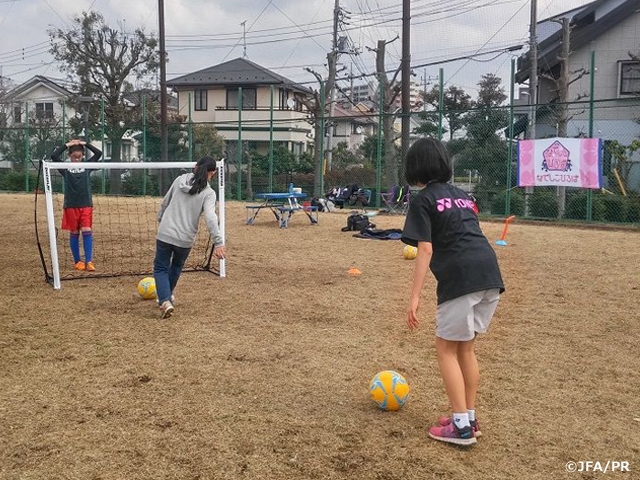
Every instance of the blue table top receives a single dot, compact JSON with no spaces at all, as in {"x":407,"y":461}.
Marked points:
{"x":276,"y":196}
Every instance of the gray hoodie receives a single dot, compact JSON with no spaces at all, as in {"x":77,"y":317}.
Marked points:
{"x":179,"y":214}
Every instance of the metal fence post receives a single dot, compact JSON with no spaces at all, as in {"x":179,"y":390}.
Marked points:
{"x":322,"y":127}
{"x":27,"y":147}
{"x":441,"y":104}
{"x":102,"y":125}
{"x":271,"y":143}
{"x":239,"y":148}
{"x":591,"y":119}
{"x":190,"y":131}
{"x":144,"y":142}
{"x":507,"y":197}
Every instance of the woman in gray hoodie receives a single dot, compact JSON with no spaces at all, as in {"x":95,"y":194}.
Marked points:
{"x":189,"y":196}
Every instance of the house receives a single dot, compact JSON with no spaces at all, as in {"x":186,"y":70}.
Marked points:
{"x":39,"y":97}
{"x":211,"y":96}
{"x":611,"y":29}
{"x":353,"y":126}
{"x":36,"y":107}
{"x":42,"y":105}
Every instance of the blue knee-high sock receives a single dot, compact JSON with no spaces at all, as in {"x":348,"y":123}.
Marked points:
{"x":87,"y":241}
{"x":74,"y":243}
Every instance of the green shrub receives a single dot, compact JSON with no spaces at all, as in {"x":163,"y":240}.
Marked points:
{"x":96,"y":182}
{"x":134,"y":183}
{"x":516,"y":202}
{"x":14,"y":181}
{"x":543,"y":203}
{"x":576,"y":206}
{"x":633,"y":210}
{"x":615,"y":209}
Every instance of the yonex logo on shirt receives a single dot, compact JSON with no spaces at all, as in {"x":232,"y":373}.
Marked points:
{"x":447,"y":203}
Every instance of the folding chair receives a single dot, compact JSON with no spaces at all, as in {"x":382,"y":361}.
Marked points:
{"x":342,"y":197}
{"x":397,"y":199}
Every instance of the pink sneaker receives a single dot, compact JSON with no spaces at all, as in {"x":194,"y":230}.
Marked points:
{"x":444,"y":421}
{"x":452,"y":434}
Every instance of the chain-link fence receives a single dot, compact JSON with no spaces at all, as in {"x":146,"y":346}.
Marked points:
{"x":364,"y":150}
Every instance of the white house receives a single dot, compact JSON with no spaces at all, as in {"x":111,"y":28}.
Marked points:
{"x":353,"y":126}
{"x":43,"y":105}
{"x":211,"y":96}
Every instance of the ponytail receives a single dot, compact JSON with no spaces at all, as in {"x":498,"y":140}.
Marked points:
{"x":200,"y":178}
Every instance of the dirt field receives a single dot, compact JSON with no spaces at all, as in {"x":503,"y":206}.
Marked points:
{"x":264,"y":374}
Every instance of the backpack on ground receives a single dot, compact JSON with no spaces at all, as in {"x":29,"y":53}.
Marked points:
{"x":357,"y":222}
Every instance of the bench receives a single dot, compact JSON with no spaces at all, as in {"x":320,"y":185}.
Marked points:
{"x":287,"y":211}
{"x":253,"y":210}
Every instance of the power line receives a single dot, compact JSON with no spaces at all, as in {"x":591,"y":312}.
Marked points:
{"x":490,"y":38}
{"x":254,"y":22}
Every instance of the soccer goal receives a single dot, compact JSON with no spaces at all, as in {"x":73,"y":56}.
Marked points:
{"x":124,"y":225}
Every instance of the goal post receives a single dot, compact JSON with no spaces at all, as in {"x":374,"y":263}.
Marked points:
{"x":124,"y":225}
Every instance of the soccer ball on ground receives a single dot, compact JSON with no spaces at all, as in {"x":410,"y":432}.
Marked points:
{"x":147,"y":288}
{"x":409,"y":252}
{"x":389,"y":390}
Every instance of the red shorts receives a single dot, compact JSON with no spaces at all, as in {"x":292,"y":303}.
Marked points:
{"x":74,"y":219}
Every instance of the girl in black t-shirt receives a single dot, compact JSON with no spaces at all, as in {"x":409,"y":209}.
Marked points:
{"x":443,"y":224}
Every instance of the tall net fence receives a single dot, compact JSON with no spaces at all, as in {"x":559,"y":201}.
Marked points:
{"x":364,"y":149}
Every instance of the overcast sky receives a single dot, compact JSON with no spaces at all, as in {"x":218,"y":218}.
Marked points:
{"x":287,"y":35}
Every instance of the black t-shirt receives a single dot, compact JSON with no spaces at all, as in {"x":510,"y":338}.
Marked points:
{"x":463,"y":261}
{"x":77,"y":181}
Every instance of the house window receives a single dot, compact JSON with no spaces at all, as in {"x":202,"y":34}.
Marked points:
{"x":44,"y":110}
{"x":248,"y":98}
{"x":200,"y":100}
{"x":629,"y":78}
{"x":356,"y":129}
{"x":126,"y":152}
{"x":17,"y":114}
{"x":284,"y":96}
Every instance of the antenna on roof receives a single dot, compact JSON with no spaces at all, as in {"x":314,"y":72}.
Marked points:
{"x":244,"y":38}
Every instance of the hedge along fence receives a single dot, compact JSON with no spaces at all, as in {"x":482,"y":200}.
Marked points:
{"x":607,"y":207}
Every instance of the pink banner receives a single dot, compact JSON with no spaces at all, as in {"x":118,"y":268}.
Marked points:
{"x":560,"y":162}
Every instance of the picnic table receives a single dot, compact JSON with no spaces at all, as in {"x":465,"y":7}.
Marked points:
{"x":283,"y":206}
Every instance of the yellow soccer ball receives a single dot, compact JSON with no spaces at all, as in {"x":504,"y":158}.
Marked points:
{"x":389,"y":390}
{"x":409,"y":252}
{"x":147,"y":288}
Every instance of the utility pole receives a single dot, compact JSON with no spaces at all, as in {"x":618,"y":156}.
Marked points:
{"x":533,"y":88}
{"x":333,"y":61}
{"x":406,"y":76}
{"x":164,"y":131}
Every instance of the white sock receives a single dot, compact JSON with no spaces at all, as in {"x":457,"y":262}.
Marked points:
{"x":472,"y":415}
{"x":461,"y":420}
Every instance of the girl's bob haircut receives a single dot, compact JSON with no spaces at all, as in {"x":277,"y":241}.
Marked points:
{"x":427,"y":161}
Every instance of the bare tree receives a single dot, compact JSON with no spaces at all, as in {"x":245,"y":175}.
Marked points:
{"x":102,"y":60}
{"x":562,"y":82}
{"x":316,"y":104}
{"x":390,"y":90}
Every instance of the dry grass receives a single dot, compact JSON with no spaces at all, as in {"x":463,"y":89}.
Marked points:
{"x":264,"y":374}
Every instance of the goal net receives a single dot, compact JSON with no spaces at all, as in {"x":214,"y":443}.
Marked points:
{"x":124,"y":225}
